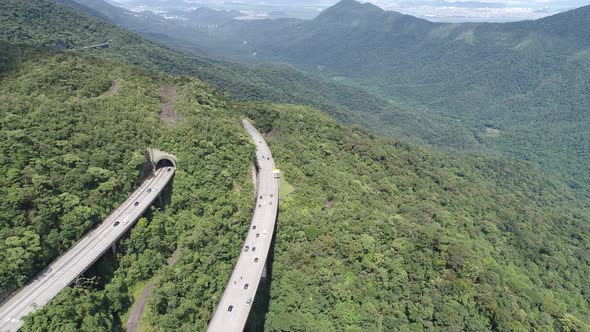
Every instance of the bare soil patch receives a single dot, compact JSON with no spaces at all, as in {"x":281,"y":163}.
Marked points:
{"x":167,"y":113}
{"x":271,"y":133}
{"x":113,"y":89}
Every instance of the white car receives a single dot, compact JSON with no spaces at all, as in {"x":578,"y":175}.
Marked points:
{"x":249,"y":301}
{"x":126,"y":221}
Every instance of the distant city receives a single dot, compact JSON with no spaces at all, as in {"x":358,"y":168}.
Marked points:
{"x":433,"y":10}
{"x":305,"y":9}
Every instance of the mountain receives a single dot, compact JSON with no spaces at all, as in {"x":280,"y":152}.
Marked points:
{"x":517,"y":89}
{"x":378,"y":234}
{"x":275,"y":83}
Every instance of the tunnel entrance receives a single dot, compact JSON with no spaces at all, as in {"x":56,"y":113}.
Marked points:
{"x":164,"y":162}
{"x":158,"y":159}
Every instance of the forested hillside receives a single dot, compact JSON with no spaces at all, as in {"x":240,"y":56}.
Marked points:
{"x":379,"y":235}
{"x":520,"y":89}
{"x":42,"y":23}
{"x":384,"y":236}
{"x":74,"y":130}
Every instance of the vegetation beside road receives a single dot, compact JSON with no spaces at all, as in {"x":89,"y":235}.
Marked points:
{"x":446,"y":85}
{"x":379,"y":235}
{"x":72,"y":154}
{"x":435,"y":232}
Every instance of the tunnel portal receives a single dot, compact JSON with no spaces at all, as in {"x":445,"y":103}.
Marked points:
{"x":165,"y":162}
{"x":159,"y":159}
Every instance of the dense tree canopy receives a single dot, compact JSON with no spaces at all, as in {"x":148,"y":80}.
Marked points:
{"x":378,"y":236}
{"x":384,"y":236}
{"x":73,"y":149}
{"x":519,"y":88}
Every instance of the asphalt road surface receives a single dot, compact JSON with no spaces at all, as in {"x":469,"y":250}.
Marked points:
{"x":77,"y":259}
{"x":233,"y":308}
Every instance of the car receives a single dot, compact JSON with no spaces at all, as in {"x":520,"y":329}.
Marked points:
{"x":267,"y":158}
{"x":126,"y":221}
{"x":256,"y":260}
{"x":116,"y":223}
{"x":246,"y":286}
{"x":269,"y":203}
{"x":253,"y":249}
{"x":260,"y":196}
{"x":259,"y":205}
{"x":271,"y":195}
{"x":264,"y":231}
{"x":249,"y":301}
{"x":230,"y":308}
{"x":155,"y":188}
{"x":136,"y":204}
{"x":246,"y":248}
{"x":254,"y":227}
{"x":149,"y":190}
{"x":169,"y":169}
{"x":257,"y":234}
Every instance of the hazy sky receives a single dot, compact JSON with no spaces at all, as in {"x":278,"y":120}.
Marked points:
{"x":435,"y":10}
{"x":488,"y":10}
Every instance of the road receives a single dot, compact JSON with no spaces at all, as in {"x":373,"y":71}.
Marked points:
{"x":234,"y":307}
{"x":83,"y":254}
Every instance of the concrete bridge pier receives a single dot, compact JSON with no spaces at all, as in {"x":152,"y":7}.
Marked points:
{"x":264,"y":277}
{"x":115,"y":250}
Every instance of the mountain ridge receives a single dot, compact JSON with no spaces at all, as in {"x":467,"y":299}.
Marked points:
{"x":504,"y":78}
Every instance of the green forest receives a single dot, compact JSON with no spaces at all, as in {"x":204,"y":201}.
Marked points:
{"x":379,"y":234}
{"x":518,"y":89}
{"x":73,"y":149}
{"x":20,"y":24}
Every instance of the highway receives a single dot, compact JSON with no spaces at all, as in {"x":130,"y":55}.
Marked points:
{"x":83,"y":254}
{"x":234,"y":307}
